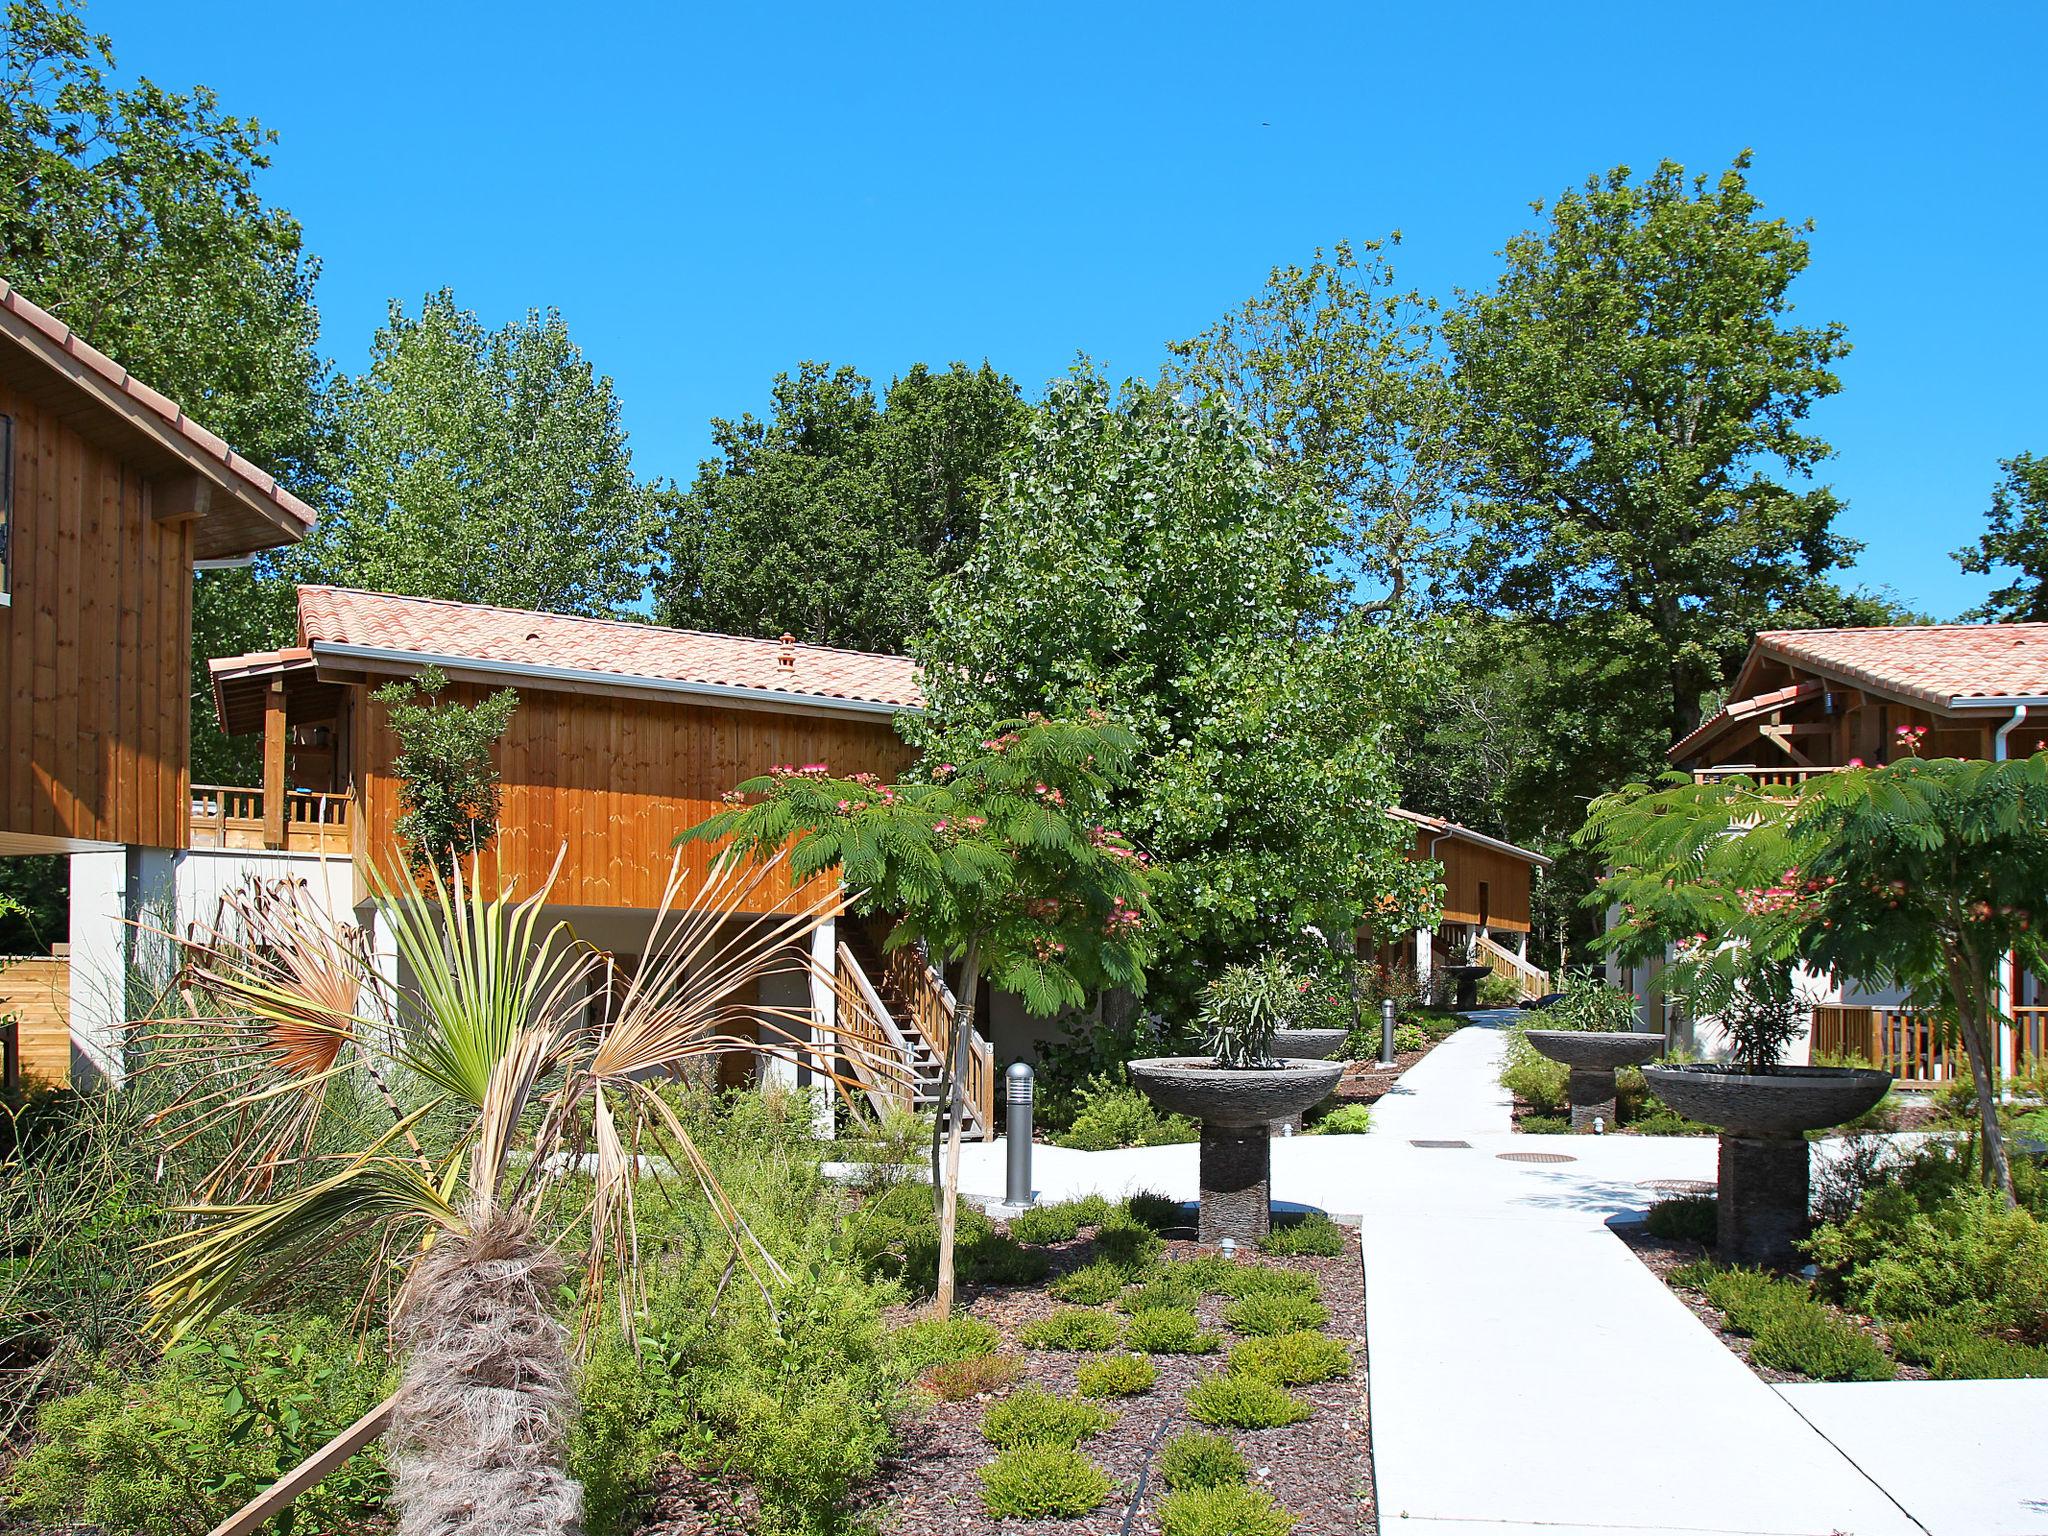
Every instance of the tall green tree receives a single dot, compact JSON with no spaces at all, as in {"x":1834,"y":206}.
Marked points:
{"x":1341,"y":375}
{"x":1635,"y":394}
{"x":2018,"y":538}
{"x":131,"y":212}
{"x":1140,"y":558}
{"x":484,"y":466}
{"x":831,"y":518}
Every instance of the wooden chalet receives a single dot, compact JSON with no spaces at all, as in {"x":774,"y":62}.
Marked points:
{"x":1812,"y":702}
{"x":109,"y":496}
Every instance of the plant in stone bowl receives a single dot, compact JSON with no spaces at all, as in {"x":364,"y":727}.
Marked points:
{"x":1590,"y":1004}
{"x":1243,"y":1008}
{"x":1761,"y":1019}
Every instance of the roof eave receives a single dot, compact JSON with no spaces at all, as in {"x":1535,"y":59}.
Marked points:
{"x":493,"y":670}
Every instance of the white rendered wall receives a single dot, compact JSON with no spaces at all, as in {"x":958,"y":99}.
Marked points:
{"x":99,"y":963}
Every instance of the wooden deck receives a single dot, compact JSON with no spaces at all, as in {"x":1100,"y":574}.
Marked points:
{"x":35,"y":995}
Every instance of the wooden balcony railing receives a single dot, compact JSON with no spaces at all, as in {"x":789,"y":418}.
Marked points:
{"x":1766,"y":778}
{"x":1529,"y":980}
{"x":1907,"y":1044}
{"x":303,"y":821}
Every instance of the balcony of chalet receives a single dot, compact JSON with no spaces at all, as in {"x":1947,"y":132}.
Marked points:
{"x":256,"y":820}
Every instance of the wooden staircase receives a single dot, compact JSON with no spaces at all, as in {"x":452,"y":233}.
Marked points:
{"x":1529,"y":981}
{"x":896,"y":1008}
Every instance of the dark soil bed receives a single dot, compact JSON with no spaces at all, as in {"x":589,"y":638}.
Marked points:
{"x":1663,"y":1255}
{"x":1320,"y":1469}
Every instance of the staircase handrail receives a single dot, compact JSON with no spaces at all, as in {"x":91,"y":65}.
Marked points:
{"x":932,"y":1013}
{"x":872,"y":1037}
{"x":1499,"y":956}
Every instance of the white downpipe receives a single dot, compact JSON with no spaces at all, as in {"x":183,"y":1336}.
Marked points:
{"x":2008,"y":968}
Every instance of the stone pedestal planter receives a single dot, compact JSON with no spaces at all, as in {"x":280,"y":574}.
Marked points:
{"x":1762,"y":1198}
{"x":1467,"y":977}
{"x":1237,"y":1106}
{"x":1593,"y":1059}
{"x":1304,"y":1044}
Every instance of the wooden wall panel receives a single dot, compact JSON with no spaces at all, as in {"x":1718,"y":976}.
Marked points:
{"x":37,"y":991}
{"x":1507,"y":878}
{"x":95,"y":646}
{"x":616,"y":779}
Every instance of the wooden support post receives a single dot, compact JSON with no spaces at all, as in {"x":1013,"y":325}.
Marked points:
{"x":273,"y":766}
{"x":255,"y":1514}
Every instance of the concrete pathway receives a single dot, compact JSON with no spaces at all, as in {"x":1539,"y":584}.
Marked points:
{"x":1529,"y":1375}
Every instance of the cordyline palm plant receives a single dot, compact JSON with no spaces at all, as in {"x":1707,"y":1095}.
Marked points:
{"x":497,"y":1086}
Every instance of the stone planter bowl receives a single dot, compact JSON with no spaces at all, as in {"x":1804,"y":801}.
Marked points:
{"x":1786,"y":1102}
{"x":1308,"y":1044}
{"x":1241,"y":1098}
{"x":1603,"y":1052}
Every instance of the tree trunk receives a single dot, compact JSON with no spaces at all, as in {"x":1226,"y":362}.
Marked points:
{"x":480,"y":1428}
{"x":949,"y":1197}
{"x":1981,"y":1044}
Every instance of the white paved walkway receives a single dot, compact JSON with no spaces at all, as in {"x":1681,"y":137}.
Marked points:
{"x":1530,"y":1375}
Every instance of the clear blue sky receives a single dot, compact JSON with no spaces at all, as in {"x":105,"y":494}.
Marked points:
{"x":710,"y":196}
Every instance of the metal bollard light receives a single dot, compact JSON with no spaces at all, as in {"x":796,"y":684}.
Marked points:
{"x":1387,"y":1033}
{"x":1018,"y":1087}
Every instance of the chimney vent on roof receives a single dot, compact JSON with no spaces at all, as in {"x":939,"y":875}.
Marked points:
{"x":786,"y":657}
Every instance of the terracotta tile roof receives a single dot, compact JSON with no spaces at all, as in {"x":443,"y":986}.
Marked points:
{"x":507,"y":639}
{"x":1936,"y":664}
{"x":43,"y":332}
{"x":1742,"y":709}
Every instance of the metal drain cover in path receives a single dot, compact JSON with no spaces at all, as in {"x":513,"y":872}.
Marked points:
{"x":1678,"y":1186}
{"x":1535,"y":1157}
{"x":1465,"y":1144}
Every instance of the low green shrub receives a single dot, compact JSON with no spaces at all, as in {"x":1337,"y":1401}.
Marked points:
{"x":1748,"y":1299}
{"x":1205,"y":1273}
{"x":1042,"y":1482}
{"x":1232,"y":1509}
{"x":955,"y":1381}
{"x":1133,"y":1247}
{"x":1081,"y":1329}
{"x":1029,"y":1416}
{"x":993,"y":1259}
{"x":1115,"y":1376}
{"x":1314,"y":1235}
{"x":1654,"y":1118}
{"x":1497,"y":991}
{"x":1409,"y":1037}
{"x":934,"y":1341}
{"x":1816,"y":1343}
{"x":1344,"y":1120}
{"x":1166,"y":1288}
{"x":1169,"y":1331}
{"x":1160,"y":1212}
{"x":1536,"y":1080}
{"x":1060,"y":1222}
{"x":1687,"y":1218}
{"x":1544,"y":1125}
{"x":1091,"y":1285}
{"x":1292,"y":1359}
{"x":1196,"y":1459}
{"x":1245,"y":1402}
{"x":176,"y":1449}
{"x":1271,"y":1312}
{"x":1919,"y":1245}
{"x":1241,"y":1280}
{"x":1953,"y":1351}
{"x":1112,"y":1116}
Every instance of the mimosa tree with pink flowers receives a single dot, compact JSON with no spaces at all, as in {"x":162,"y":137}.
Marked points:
{"x":996,"y":855}
{"x":1927,"y":874}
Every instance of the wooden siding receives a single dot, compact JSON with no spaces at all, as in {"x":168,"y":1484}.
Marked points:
{"x":615,"y":779}
{"x":95,"y":647}
{"x":1466,"y":867}
{"x":37,"y":991}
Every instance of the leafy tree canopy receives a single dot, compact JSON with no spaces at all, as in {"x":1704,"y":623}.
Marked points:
{"x":2017,"y":538}
{"x":483,"y":466}
{"x":1340,"y":375}
{"x":1141,"y":560}
{"x":1635,"y":396}
{"x":832,"y":518}
{"x":131,"y":213}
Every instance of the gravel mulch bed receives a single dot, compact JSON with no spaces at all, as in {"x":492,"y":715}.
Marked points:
{"x":1319,"y":1469}
{"x":1663,"y":1255}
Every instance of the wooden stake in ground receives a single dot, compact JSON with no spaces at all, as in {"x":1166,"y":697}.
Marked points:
{"x":949,"y":1195}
